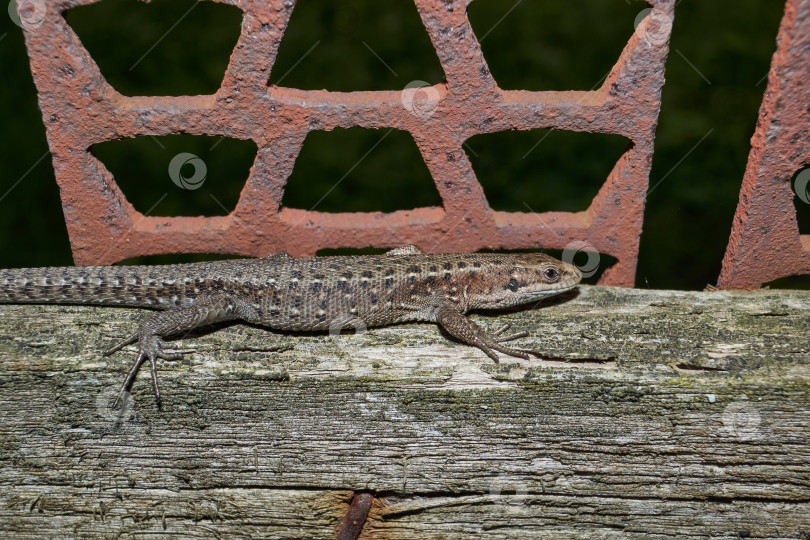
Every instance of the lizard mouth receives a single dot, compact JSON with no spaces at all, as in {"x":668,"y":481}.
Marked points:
{"x":542,"y":293}
{"x":542,"y":290}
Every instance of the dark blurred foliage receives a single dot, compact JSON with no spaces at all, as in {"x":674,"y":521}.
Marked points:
{"x":720,"y":54}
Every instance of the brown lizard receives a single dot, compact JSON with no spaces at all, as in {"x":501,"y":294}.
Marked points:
{"x":317,"y":293}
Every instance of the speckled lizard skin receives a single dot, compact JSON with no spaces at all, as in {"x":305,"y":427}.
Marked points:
{"x":319,"y":293}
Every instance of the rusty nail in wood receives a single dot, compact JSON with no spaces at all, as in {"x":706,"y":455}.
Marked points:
{"x":355,"y":516}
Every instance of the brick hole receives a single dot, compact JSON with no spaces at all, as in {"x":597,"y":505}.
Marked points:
{"x":335,"y":44}
{"x":147,"y":169}
{"x":790,"y":282}
{"x":592,"y":264}
{"x":360,"y":170}
{"x":800,"y":183}
{"x":189,"y":59}
{"x":177,"y":258}
{"x":328,"y":252}
{"x":563,"y":45}
{"x":543,"y":170}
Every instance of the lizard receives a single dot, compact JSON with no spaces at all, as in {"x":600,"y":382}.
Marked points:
{"x":303,"y":294}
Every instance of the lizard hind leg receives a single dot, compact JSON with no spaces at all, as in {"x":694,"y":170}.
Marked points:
{"x":205,"y":310}
{"x":149,"y":347}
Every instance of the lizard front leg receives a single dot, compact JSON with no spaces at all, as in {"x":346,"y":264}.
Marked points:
{"x":463,"y":329}
{"x":205,"y":310}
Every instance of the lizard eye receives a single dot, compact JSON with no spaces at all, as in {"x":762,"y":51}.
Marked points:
{"x":513,"y":284}
{"x":551,"y":275}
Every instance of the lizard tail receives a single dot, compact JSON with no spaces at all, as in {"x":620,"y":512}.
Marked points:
{"x":97,"y":285}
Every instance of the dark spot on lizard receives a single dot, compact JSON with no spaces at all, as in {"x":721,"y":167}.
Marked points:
{"x":321,"y":317}
{"x":293,"y":285}
{"x":388,"y":283}
{"x":316,"y":287}
{"x":431,"y":279}
{"x":447,"y":266}
{"x":275,"y":312}
{"x":389,"y":272}
{"x":347,"y":275}
{"x":462,"y":265}
{"x":343,"y":286}
{"x":334,"y":266}
{"x":364,"y":284}
{"x":324,"y":304}
{"x":447,"y":276}
{"x":477,"y":265}
{"x":432,"y":268}
{"x":296,"y":274}
{"x":319,"y":277}
{"x":411,"y":279}
{"x":414,"y":270}
{"x":373,"y":298}
{"x":298,"y":301}
{"x":367,"y":274}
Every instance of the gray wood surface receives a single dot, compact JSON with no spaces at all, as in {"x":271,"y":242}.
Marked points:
{"x":651,"y":414}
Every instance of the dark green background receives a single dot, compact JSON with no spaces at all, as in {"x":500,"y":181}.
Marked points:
{"x":720,"y":54}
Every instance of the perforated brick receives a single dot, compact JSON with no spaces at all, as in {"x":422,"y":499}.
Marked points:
{"x":80,"y":109}
{"x":765,"y":243}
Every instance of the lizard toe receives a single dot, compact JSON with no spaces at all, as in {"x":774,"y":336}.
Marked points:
{"x":121,"y":344}
{"x":510,"y":337}
{"x":511,"y":352}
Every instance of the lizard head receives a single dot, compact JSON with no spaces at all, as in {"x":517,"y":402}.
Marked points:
{"x":521,"y":278}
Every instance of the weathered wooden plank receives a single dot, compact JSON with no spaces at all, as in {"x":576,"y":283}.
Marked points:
{"x":652,"y":412}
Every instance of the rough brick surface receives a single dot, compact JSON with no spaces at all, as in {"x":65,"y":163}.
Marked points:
{"x":765,"y":243}
{"x":80,"y":109}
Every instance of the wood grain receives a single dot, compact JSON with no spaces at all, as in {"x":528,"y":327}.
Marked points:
{"x":651,"y":414}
